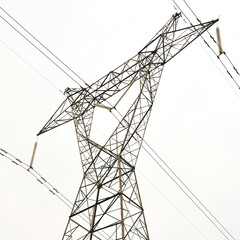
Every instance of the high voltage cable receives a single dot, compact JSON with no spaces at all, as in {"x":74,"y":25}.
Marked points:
{"x":44,"y":54}
{"x":80,"y":77}
{"x":37,"y":176}
{"x":213,"y":38}
{"x":62,"y":198}
{"x":205,"y":42}
{"x":31,"y":66}
{"x":43,"y":46}
{"x":188,"y":195}
{"x":184,"y":190}
{"x":179,"y":186}
{"x":165,"y":162}
{"x":41,"y":180}
{"x":188,"y":220}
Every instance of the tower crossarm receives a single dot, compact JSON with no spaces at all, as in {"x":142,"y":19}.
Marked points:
{"x":164,"y":46}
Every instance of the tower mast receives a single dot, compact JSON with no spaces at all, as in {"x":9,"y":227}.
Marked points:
{"x":108,"y":205}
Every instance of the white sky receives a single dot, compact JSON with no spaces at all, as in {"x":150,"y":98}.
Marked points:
{"x":194,"y":124}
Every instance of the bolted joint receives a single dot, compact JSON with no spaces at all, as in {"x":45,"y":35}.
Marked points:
{"x":177,"y":15}
{"x":99,"y":185}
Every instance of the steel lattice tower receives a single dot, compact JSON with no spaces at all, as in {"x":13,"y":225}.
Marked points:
{"x":108,"y":204}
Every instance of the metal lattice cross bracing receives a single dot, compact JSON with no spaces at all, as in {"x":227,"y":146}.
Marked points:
{"x":108,"y":205}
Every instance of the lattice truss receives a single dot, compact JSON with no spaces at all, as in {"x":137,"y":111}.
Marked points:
{"x":108,"y":204}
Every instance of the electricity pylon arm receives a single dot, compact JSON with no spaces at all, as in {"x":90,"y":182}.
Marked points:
{"x":165,"y":45}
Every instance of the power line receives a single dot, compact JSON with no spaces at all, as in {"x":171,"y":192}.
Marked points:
{"x":212,"y":38}
{"x":224,"y":76}
{"x":180,"y":184}
{"x":31,"y":66}
{"x":220,"y":47}
{"x":44,"y":54}
{"x":37,"y":176}
{"x":184,"y":188}
{"x":185,"y":192}
{"x":40,"y":179}
{"x":228,"y":72}
{"x":43,"y":45}
{"x":171,"y":203}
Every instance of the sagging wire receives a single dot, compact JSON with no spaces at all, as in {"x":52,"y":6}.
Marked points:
{"x":177,"y":7}
{"x":183,"y":187}
{"x":180,"y":184}
{"x":220,"y":70}
{"x":192,"y":196}
{"x":42,"y":46}
{"x":31,"y":66}
{"x":171,"y":203}
{"x":151,"y":183}
{"x":40,"y":179}
{"x":216,"y":42}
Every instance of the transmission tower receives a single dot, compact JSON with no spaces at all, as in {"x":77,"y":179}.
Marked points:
{"x":108,"y":204}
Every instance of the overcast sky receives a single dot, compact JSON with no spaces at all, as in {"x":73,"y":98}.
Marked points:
{"x":194,"y":124}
